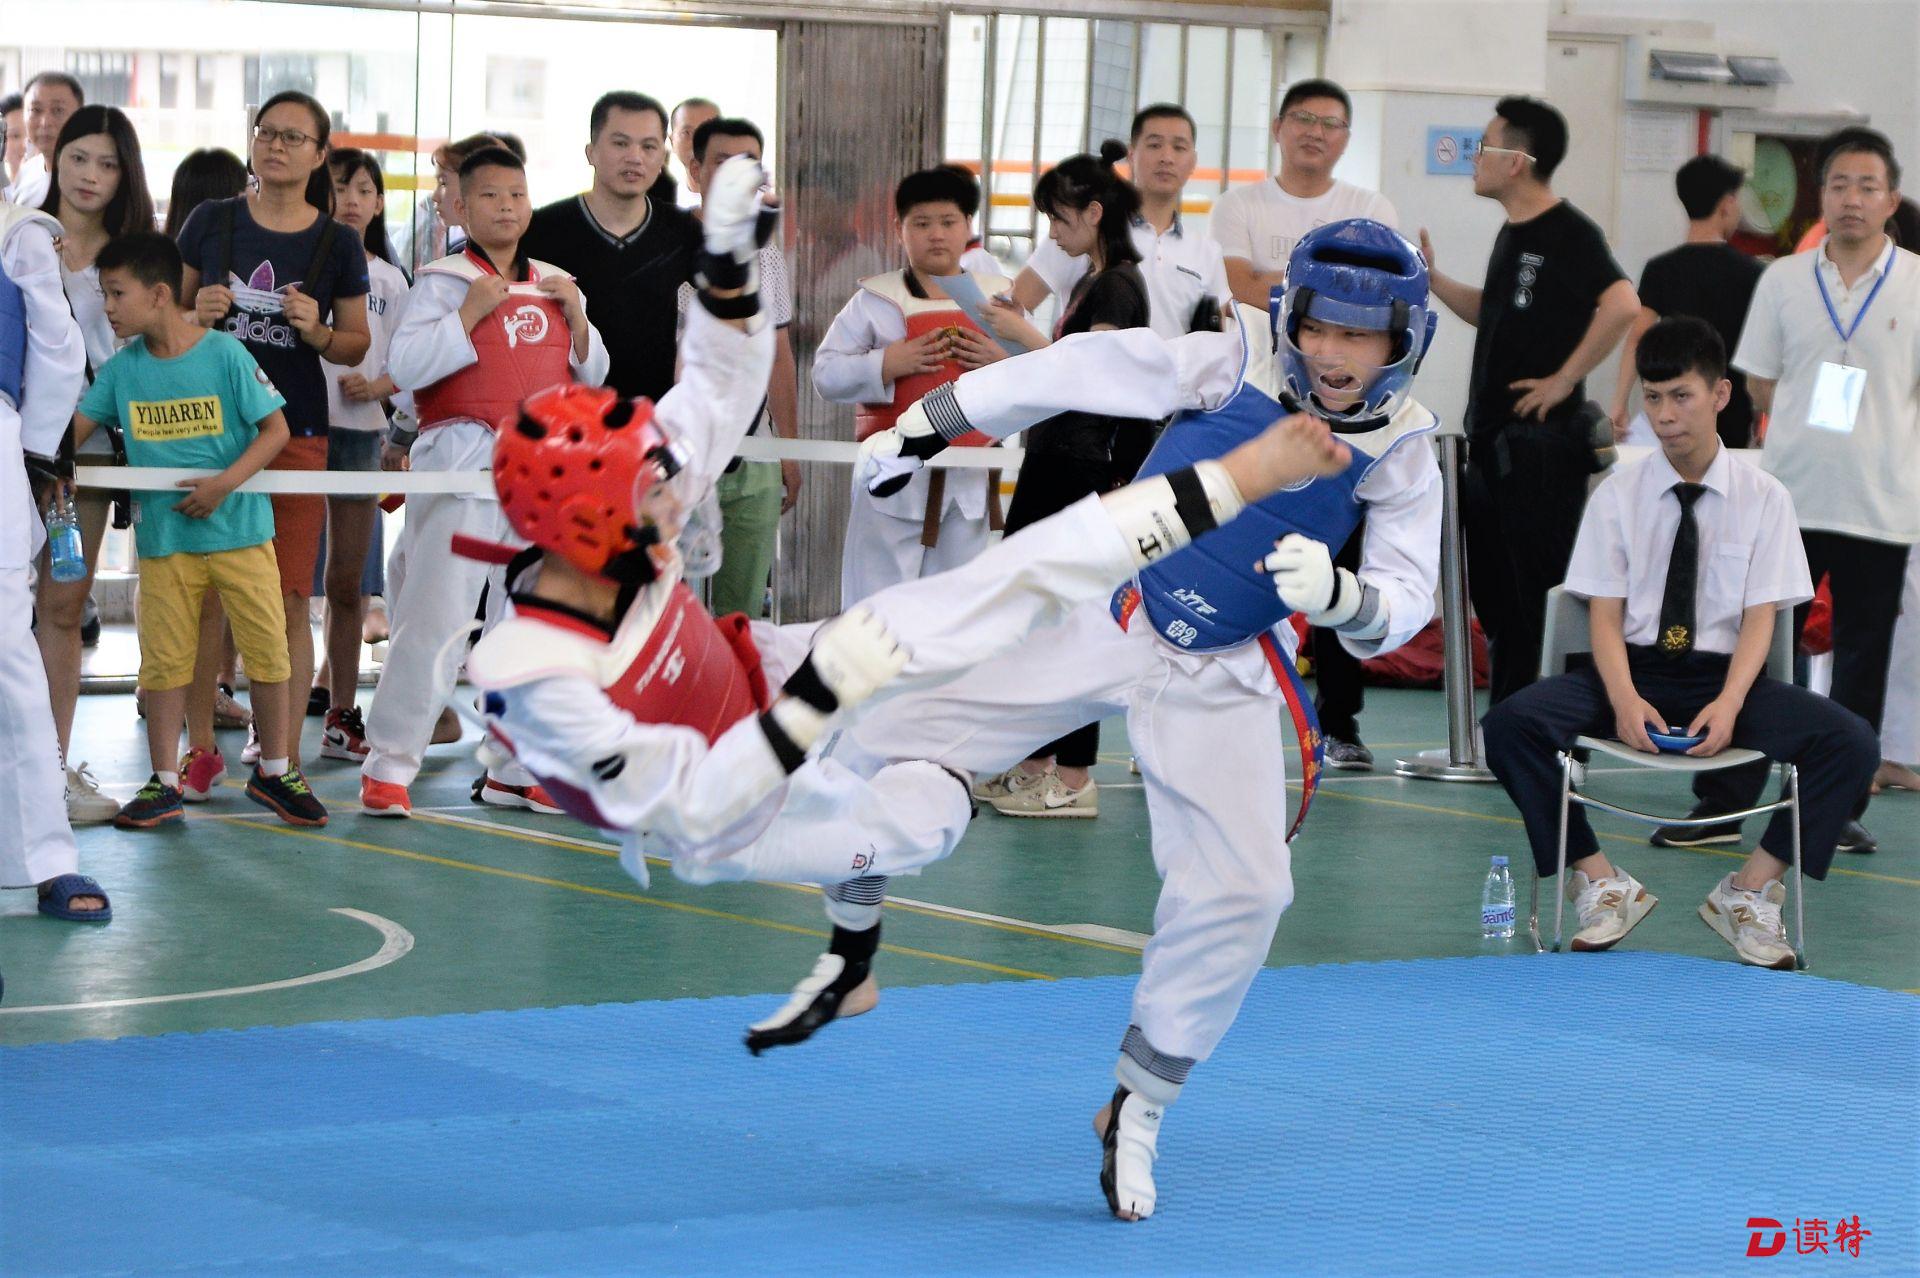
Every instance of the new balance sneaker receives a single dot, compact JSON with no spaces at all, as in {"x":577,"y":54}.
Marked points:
{"x":288,"y":795}
{"x":1129,"y":1132}
{"x":1047,"y":795}
{"x":1349,"y":756}
{"x":1695,"y":836}
{"x":250,"y":752}
{"x":997,"y":786}
{"x":345,"y":736}
{"x":156,"y":804}
{"x":85,"y":804}
{"x":384,"y":798}
{"x":1608,"y":909}
{"x":200,"y":771}
{"x":1750,"y":922}
{"x":499,"y":794}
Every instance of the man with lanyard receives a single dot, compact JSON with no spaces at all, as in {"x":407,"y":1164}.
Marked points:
{"x":1832,"y":355}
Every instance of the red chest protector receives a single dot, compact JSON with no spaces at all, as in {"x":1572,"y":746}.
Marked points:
{"x":923,"y":315}
{"x":523,"y":345}
{"x":689,"y":669}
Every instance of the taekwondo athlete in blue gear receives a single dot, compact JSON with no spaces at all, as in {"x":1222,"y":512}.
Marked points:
{"x":1211,"y":663}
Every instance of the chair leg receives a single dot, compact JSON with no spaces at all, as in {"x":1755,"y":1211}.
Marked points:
{"x":1560,"y":870}
{"x":1799,"y":880}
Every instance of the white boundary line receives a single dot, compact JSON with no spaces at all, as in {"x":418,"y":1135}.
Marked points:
{"x":1080,"y":931}
{"x":395,"y":942}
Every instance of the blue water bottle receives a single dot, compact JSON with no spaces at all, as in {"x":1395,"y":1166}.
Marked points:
{"x":68,"y":561}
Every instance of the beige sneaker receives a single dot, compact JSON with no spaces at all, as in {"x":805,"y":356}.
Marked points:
{"x":86,"y":805}
{"x":1608,"y":908}
{"x":1048,"y":796}
{"x":997,"y":786}
{"x":1750,"y":922}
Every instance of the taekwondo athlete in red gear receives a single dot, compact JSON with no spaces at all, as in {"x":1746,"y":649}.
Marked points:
{"x":484,"y":329}
{"x":1195,"y":651}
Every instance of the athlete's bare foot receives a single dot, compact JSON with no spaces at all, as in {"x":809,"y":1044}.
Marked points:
{"x":1292,"y":450}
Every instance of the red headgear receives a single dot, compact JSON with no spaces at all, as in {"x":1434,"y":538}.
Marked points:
{"x":570,"y":474}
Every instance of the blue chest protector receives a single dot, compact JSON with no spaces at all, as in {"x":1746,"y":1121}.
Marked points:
{"x":13,"y":338}
{"x":1208,"y":596}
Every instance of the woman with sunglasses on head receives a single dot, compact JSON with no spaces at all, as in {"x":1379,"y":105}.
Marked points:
{"x":273,"y":268}
{"x":98,"y":189}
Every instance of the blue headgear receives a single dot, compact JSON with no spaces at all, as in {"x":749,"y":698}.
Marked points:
{"x":1359,"y":274}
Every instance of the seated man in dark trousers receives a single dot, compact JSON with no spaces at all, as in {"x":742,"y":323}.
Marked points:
{"x":1689,"y":559}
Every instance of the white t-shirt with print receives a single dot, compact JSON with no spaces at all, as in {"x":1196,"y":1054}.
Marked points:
{"x":386,"y":295}
{"x":1261,"y":223}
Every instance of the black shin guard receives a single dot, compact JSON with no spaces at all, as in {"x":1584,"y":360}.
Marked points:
{"x":846,"y":965}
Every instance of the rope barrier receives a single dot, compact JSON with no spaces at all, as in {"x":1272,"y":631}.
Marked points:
{"x":350,"y":483}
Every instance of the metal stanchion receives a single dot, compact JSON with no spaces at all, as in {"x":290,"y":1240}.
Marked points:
{"x":1460,"y":760}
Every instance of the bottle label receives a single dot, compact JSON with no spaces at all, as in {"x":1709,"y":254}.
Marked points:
{"x":1496,"y":916}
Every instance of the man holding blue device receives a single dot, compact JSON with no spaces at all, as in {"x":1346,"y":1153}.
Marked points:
{"x":1689,"y":559}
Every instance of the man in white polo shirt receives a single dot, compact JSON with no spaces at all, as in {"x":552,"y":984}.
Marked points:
{"x":1258,"y":225}
{"x":1186,"y":278}
{"x":1832,"y":352}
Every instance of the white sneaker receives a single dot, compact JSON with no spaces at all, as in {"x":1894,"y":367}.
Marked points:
{"x":85,"y":804}
{"x":1129,"y":1131}
{"x":1048,"y":796}
{"x":1750,"y":922}
{"x":1608,"y":908}
{"x":997,"y":786}
{"x":250,"y":752}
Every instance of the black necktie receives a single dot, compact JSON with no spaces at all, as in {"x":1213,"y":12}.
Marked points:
{"x":1683,"y":572}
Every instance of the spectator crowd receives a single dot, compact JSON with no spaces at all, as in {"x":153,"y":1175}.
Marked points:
{"x":261,"y":317}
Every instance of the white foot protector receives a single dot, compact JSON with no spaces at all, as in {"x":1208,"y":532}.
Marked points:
{"x":1129,"y":1146}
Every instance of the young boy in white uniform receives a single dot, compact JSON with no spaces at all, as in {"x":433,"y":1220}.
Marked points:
{"x":483,"y":329}
{"x":1195,"y":653}
{"x":896,"y":339}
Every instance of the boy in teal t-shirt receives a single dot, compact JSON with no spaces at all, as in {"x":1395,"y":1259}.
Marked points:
{"x":183,"y":396}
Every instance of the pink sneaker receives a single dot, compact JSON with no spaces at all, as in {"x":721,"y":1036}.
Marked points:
{"x":200,"y":771}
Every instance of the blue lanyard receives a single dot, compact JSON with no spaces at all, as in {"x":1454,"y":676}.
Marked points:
{"x":1846,"y":335}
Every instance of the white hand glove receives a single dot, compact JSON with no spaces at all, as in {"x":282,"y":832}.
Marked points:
{"x":855,"y":656}
{"x":1302,"y":570}
{"x":881,"y":467}
{"x":730,"y":209}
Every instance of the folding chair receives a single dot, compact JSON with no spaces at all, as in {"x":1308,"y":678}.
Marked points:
{"x":1567,"y":635}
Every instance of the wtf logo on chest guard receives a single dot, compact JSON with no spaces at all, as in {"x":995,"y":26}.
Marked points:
{"x":527,"y":324}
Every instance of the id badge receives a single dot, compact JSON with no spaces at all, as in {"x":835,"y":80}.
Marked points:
{"x":1836,"y":397}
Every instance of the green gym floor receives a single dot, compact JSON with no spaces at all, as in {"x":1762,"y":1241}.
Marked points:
{"x":466,"y":908}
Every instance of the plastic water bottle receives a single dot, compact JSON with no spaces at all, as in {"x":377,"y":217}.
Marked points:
{"x":1496,"y":903}
{"x":67,"y":561}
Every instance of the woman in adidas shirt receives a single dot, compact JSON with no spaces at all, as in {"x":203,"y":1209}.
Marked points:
{"x":271,"y":267}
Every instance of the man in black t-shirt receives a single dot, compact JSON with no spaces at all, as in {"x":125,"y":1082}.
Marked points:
{"x":1555,"y":302}
{"x":1707,"y":278}
{"x":630,"y":253}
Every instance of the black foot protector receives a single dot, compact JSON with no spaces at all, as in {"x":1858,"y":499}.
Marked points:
{"x":844,"y":968}
{"x":1110,"y":1149}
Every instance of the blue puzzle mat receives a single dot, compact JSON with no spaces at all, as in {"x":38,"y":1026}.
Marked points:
{"x":1525,"y":1116}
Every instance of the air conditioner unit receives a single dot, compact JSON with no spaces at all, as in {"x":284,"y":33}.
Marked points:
{"x":1700,"y":73}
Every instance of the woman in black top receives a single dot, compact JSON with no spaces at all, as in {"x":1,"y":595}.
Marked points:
{"x":1089,"y":209}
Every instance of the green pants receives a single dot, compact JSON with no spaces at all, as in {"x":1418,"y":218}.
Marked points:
{"x":750,"y":515}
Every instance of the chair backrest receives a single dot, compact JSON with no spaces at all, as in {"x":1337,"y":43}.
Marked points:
{"x":1568,"y":635}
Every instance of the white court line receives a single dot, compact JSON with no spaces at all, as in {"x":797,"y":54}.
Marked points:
{"x":395,"y":942}
{"x":1082,"y":931}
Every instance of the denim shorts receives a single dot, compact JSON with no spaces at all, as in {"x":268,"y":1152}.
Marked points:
{"x":354,"y":449}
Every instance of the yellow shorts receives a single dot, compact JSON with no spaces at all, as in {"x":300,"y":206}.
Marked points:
{"x":171,"y":590}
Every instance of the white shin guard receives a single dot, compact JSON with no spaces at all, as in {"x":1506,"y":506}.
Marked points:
{"x":1160,"y":515}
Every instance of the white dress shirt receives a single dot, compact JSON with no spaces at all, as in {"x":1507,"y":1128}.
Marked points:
{"x":1750,"y":550}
